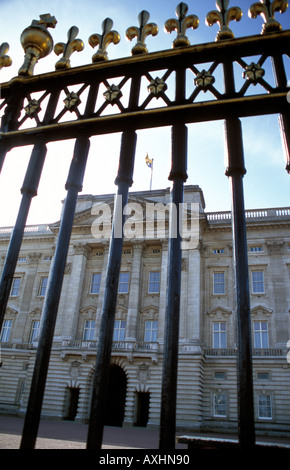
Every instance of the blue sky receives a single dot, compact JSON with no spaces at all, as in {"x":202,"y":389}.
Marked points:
{"x":266,"y":183}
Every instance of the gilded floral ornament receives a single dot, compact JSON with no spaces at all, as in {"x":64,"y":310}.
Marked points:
{"x":36,"y":42}
{"x":72,"y":101}
{"x":103,"y":40}
{"x":267,"y":10}
{"x":67,"y":49}
{"x":204,"y":79}
{"x":254,"y":73}
{"x":181,"y":25}
{"x":157,"y":87}
{"x":112,"y":94}
{"x":32,"y":108}
{"x":141,"y":33}
{"x":5,"y":60}
{"x":223,"y":17}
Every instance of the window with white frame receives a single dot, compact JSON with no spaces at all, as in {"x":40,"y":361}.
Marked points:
{"x":258,"y":282}
{"x":219,"y":334}
{"x":15,"y":286}
{"x":95,"y":283}
{"x":219,"y":404}
{"x":265,"y":406}
{"x":42,"y":286}
{"x":119,"y":330}
{"x":151,"y":330}
{"x":124,"y":283}
{"x":219,"y":282}
{"x":89,"y":328}
{"x":6,"y":331}
{"x":261,"y":334}
{"x":154,"y":282}
{"x":34,"y":330}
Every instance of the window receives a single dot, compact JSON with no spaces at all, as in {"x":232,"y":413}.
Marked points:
{"x":43,"y":286}
{"x":6,"y":331}
{"x":264,"y":406}
{"x":154,"y":282}
{"x":261,"y":335}
{"x":95,"y":283}
{"x":15,"y":286}
{"x":218,"y":251}
{"x":34,"y":330}
{"x":119,"y":330}
{"x":151,"y":328}
{"x":89,"y":329}
{"x":219,"y":283}
{"x":256,"y":249}
{"x":124,"y":283}
{"x":263,"y":375}
{"x":219,"y":375}
{"x":258,"y":282}
{"x":219,"y":335}
{"x":22,"y":259}
{"x":219,"y":404}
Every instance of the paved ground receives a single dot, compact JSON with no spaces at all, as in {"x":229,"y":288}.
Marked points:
{"x":72,"y":435}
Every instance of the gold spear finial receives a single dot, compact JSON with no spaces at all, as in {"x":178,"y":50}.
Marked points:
{"x":181,"y":25}
{"x":267,"y":10}
{"x":36,"y":42}
{"x":223,"y":16}
{"x":67,"y":49}
{"x":103,"y":40}
{"x":5,"y":60}
{"x":141,"y":33}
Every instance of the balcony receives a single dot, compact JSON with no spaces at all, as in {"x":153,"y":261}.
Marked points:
{"x":127,"y":346}
{"x":230,"y":352}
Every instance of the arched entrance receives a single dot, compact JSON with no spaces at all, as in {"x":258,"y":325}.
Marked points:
{"x":115,"y":405}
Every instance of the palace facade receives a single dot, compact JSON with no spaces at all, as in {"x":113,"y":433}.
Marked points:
{"x":207,"y":389}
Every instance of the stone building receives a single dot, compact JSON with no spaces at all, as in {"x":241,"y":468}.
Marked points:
{"x":207,"y":396}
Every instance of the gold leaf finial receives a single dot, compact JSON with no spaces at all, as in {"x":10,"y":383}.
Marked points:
{"x":103,"y":40}
{"x":36,"y":42}
{"x":267,"y":10}
{"x":141,"y":33}
{"x":67,"y":49}
{"x":181,"y":25}
{"x":223,"y":17}
{"x":5,"y":60}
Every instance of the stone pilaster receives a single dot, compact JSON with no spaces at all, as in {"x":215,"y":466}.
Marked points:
{"x":163,"y":290}
{"x":66,"y":325}
{"x":134,"y":294}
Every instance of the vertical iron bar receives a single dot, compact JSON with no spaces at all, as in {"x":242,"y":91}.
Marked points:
{"x":28,"y":190}
{"x":50,"y":307}
{"x":284,"y":119}
{"x":10,"y":117}
{"x":236,"y":171}
{"x":124,"y":181}
{"x":101,"y":377}
{"x":178,"y":176}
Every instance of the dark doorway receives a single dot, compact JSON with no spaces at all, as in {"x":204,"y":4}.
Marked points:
{"x":115,"y":405}
{"x":143,"y":399}
{"x":72,"y":403}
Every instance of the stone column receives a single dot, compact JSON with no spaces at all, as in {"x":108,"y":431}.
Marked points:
{"x":193,"y":297}
{"x":163,"y":290}
{"x":67,"y":322}
{"x":134,"y":294}
{"x":102,"y":291}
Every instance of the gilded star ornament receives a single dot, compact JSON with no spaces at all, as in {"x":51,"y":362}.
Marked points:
{"x":32,"y":108}
{"x":72,"y":101}
{"x":112,"y":94}
{"x":204,"y":79}
{"x":253,"y":73}
{"x":157,"y":87}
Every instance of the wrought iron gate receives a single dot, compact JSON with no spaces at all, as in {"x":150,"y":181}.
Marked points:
{"x":229,"y":106}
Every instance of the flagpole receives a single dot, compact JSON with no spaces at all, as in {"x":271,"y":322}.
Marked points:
{"x":151,"y":174}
